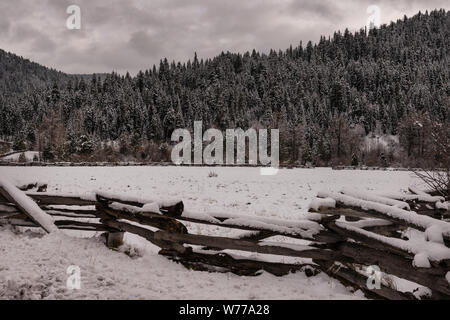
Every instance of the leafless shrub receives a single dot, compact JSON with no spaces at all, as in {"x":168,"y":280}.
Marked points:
{"x":437,"y":177}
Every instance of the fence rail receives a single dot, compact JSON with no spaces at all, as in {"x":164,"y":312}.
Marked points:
{"x":343,"y":235}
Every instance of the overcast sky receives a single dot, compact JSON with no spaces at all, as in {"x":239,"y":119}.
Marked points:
{"x":130,"y":35}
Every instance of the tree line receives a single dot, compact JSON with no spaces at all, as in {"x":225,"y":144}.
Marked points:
{"x":326,"y":98}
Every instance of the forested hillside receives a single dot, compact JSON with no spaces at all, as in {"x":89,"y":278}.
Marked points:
{"x":324,"y":97}
{"x":19,"y":75}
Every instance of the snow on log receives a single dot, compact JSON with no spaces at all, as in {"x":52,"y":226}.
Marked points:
{"x":408,"y":217}
{"x":26,"y":205}
{"x":412,"y":197}
{"x":318,"y":203}
{"x":169,"y":207}
{"x":305,"y":228}
{"x":374,"y":198}
{"x":136,"y":200}
{"x":443,"y":205}
{"x":434,"y":234}
{"x":421,"y":260}
{"x":369,"y":223}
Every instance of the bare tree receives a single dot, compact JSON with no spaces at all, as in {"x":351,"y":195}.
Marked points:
{"x":437,"y":177}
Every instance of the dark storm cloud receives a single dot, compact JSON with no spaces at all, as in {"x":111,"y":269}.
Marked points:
{"x":130,"y":35}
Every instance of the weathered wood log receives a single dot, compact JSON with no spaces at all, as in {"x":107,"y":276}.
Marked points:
{"x":31,"y":209}
{"x":61,"y":224}
{"x":433,"y":278}
{"x":381,"y":245}
{"x":380,"y":215}
{"x":423,"y":208}
{"x":57,"y":213}
{"x":242,"y":267}
{"x":146,"y":234}
{"x":45,"y":199}
{"x":322,"y":236}
{"x":68,"y":210}
{"x":371,"y":242}
{"x":349,"y":277}
{"x":88,"y":214}
{"x":114,"y":239}
{"x":393,"y":230}
{"x":243,"y":245}
{"x":9,"y":215}
{"x":18,"y":222}
{"x":154,"y":220}
{"x":174,"y":210}
{"x":252,"y":236}
{"x":257,"y":236}
{"x":346,"y":212}
{"x":3,"y":200}
{"x":83,"y":226}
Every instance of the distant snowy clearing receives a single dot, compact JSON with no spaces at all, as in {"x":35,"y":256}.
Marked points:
{"x":35,"y":267}
{"x":29,"y":156}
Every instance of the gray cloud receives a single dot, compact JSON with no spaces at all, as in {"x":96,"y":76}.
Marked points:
{"x":134,"y":34}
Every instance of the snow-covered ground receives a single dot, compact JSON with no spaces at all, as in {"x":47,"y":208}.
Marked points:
{"x":29,"y":156}
{"x":37,"y":267}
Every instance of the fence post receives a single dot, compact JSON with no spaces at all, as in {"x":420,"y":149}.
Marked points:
{"x":114,"y":239}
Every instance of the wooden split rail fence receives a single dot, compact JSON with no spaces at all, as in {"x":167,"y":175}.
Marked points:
{"x":345,"y":233}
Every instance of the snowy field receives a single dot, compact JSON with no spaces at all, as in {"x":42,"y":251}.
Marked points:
{"x":34,"y":266}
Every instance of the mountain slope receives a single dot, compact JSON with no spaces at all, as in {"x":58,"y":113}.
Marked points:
{"x":19,"y":75}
